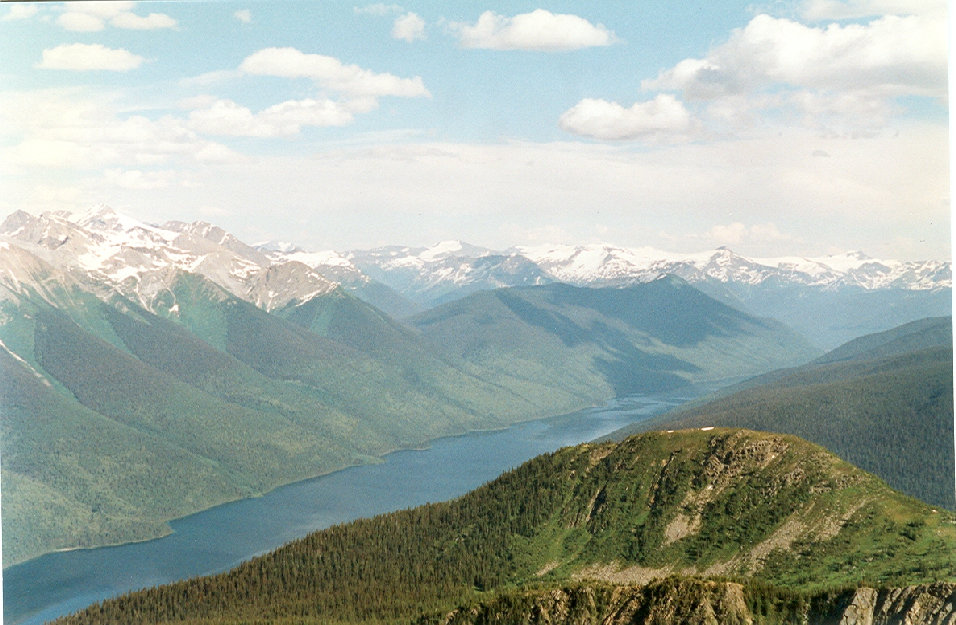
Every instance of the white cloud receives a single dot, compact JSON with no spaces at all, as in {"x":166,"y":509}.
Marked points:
{"x":842,"y":80}
{"x":80,"y":22}
{"x":380,"y":9}
{"x":225,"y":117}
{"x":76,"y":130}
{"x":19,"y":11}
{"x":852,"y":9}
{"x":409,"y":27}
{"x":243,"y":15}
{"x":672,"y":197}
{"x":859,"y":113}
{"x":94,"y":16}
{"x":539,"y":30}
{"x":82,"y":57}
{"x":103,"y":9}
{"x":330,"y":73}
{"x":545,"y":234}
{"x":394,"y":193}
{"x":889,"y":56}
{"x":210,"y":78}
{"x":215,"y":211}
{"x":663,"y":118}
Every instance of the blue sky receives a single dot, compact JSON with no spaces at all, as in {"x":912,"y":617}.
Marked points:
{"x":801,"y":127}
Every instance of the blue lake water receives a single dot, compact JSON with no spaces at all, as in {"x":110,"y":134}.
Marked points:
{"x":220,"y":538}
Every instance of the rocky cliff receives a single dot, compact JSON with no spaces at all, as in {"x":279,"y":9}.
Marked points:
{"x":706,"y":602}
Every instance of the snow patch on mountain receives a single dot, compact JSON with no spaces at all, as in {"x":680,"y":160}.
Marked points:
{"x":326,"y":258}
{"x":600,"y":264}
{"x":142,"y":260}
{"x":587,"y":264}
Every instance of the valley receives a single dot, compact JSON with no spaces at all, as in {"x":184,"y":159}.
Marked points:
{"x":177,"y":350}
{"x":222,"y":537}
{"x":157,"y":371}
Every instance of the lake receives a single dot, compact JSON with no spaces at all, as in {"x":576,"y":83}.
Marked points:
{"x":220,"y":538}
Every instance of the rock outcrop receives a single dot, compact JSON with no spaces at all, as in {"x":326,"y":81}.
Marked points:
{"x":927,"y":604}
{"x":706,"y":602}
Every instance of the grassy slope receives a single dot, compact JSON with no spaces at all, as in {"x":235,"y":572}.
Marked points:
{"x":726,"y":502}
{"x":884,"y":402}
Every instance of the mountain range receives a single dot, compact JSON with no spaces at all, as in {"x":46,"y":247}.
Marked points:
{"x":427,"y":271}
{"x":154,"y":371}
{"x":829,"y":299}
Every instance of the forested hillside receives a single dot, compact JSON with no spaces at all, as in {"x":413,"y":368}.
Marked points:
{"x":766,"y":507}
{"x":640,"y":338}
{"x":203,"y":397}
{"x":883,"y":402}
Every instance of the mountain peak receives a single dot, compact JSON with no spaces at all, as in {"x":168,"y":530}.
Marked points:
{"x":103,"y":218}
{"x":848,"y":261}
{"x":95,"y":212}
{"x":452,"y":247}
{"x":15,"y":221}
{"x":284,"y":247}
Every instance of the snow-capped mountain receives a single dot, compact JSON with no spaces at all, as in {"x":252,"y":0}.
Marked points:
{"x":329,"y":263}
{"x":604,"y":265}
{"x":446,"y":270}
{"x":830,"y":299}
{"x":139,"y":260}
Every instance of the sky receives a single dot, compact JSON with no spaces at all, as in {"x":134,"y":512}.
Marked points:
{"x":784,"y":127}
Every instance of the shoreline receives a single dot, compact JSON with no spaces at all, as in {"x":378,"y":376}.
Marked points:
{"x":372,"y":460}
{"x":218,"y":539}
{"x":695,"y":391}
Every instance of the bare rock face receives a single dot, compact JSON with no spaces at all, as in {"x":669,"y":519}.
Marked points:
{"x":929,"y":604}
{"x":861,"y":608}
{"x":705,"y":602}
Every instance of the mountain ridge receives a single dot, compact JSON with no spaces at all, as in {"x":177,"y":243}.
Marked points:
{"x":707,"y":602}
{"x":664,"y":333}
{"x":428,"y":275}
{"x":883,"y":401}
{"x":789,"y":515}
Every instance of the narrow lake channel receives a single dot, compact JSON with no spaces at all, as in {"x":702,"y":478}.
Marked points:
{"x":220,"y":538}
